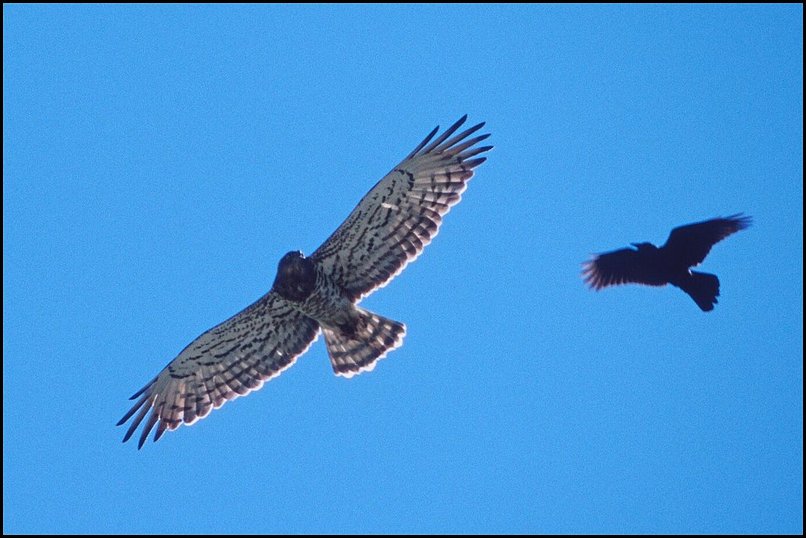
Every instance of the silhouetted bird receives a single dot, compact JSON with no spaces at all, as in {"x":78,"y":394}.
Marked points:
{"x":686,"y":247}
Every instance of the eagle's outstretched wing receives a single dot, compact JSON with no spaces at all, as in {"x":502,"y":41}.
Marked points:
{"x":690,"y":244}
{"x":402,"y":213}
{"x":230,"y":360}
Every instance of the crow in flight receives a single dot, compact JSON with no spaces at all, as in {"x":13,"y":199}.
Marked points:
{"x":686,"y":247}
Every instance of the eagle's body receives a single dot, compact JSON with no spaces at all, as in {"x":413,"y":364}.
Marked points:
{"x":312,"y":292}
{"x":355,"y":338}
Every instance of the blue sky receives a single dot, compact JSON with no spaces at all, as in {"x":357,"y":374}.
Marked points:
{"x":158,"y":162}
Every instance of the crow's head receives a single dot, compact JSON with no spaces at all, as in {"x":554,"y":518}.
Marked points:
{"x":644,"y":247}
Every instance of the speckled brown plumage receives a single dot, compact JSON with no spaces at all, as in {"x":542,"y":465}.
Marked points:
{"x":388,"y":229}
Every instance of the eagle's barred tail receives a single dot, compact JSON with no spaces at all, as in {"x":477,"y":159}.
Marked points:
{"x":358,"y":352}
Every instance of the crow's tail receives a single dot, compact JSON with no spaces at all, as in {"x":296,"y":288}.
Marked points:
{"x":703,"y":288}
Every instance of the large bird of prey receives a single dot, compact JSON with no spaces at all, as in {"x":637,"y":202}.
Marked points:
{"x":686,"y":247}
{"x":388,"y":229}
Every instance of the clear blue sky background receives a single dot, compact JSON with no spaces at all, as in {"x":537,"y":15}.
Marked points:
{"x":158,"y":161}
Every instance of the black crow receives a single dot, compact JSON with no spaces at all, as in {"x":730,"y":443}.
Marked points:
{"x":686,"y":247}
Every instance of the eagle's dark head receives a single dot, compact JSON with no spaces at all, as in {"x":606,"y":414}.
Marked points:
{"x":296,"y":277}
